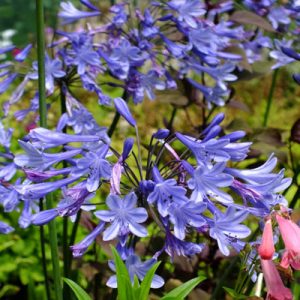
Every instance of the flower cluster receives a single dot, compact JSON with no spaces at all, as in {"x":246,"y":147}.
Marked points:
{"x":200,"y":44}
{"x":187,"y":186}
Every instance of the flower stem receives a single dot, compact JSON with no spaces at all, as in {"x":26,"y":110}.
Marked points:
{"x":43,"y":123}
{"x":54,"y":253}
{"x":270,"y":98}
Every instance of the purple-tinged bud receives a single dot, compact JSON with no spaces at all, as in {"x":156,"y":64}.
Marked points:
{"x":37,"y":176}
{"x":116,"y":179}
{"x":156,"y":175}
{"x":21,"y":56}
{"x":80,"y":248}
{"x":188,"y":167}
{"x":128,"y":144}
{"x":234,"y":136}
{"x":123,"y":110}
{"x":146,"y":186}
{"x":161,"y":134}
{"x":44,"y":217}
{"x":213,"y":132}
{"x":4,"y":228}
{"x":4,"y":84}
{"x":88,"y":4}
{"x":290,"y":52}
{"x":215,"y":121}
{"x":296,"y":77}
{"x":7,"y":49}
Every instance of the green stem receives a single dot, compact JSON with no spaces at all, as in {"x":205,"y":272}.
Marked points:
{"x":43,"y":250}
{"x":54,"y":252}
{"x":270,"y":98}
{"x":140,"y":165}
{"x":113,"y":124}
{"x":41,"y":62}
{"x":43,"y":123}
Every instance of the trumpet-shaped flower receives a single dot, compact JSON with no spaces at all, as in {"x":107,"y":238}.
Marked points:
{"x":266,"y":249}
{"x":137,"y":268}
{"x":290,"y":233}
{"x":275,"y":288}
{"x":124,"y":216}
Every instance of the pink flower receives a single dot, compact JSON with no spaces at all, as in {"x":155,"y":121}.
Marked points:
{"x":276,"y":289}
{"x":290,"y":233}
{"x":266,"y":248}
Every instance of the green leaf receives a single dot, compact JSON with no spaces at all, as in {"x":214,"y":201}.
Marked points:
{"x":182,"y":291}
{"x":146,"y":283}
{"x":125,"y":288}
{"x":234,"y":294}
{"x":80,"y":293}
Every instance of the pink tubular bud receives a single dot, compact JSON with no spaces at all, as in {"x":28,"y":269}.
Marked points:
{"x":266,"y":248}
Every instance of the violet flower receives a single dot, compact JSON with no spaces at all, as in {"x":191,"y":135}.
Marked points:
{"x":136,"y":268}
{"x":124,"y":216}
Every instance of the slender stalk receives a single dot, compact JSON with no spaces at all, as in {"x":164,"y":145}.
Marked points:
{"x":54,"y":252}
{"x":139,"y":152}
{"x":43,"y":123}
{"x":41,"y":62}
{"x":43,"y":250}
{"x":114,"y":124}
{"x":270,"y":98}
{"x":174,"y":111}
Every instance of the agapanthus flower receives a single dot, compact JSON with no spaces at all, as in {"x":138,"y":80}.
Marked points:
{"x":53,"y":70}
{"x":187,"y":11}
{"x":207,"y":180}
{"x":137,"y":268}
{"x":69,"y":13}
{"x":124,"y":216}
{"x":80,"y":248}
{"x":5,"y":228}
{"x":165,"y":193}
{"x":226,"y":228}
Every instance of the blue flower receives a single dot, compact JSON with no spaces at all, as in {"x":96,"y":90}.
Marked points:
{"x":226,"y":228}
{"x":122,"y":108}
{"x":165,"y":193}
{"x":45,"y":138}
{"x":124,"y":216}
{"x":136,"y":267}
{"x":5,"y":136}
{"x":53,"y":69}
{"x":186,"y":213}
{"x":4,"y":228}
{"x":187,"y":10}
{"x":96,"y":166}
{"x":175,"y":246}
{"x":36,"y":159}
{"x":69,"y":13}
{"x":9,"y":197}
{"x":21,"y":56}
{"x":80,"y":248}
{"x":207,"y":180}
{"x":5,"y":83}
{"x":278,"y":15}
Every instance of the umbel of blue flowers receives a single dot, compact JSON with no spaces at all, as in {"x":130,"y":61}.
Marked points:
{"x":191,"y":191}
{"x":137,"y":48}
{"x":206,"y":197}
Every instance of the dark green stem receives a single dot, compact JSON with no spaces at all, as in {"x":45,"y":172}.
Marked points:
{"x":113,"y":124}
{"x":54,"y":252}
{"x":43,"y":123}
{"x":73,"y":236}
{"x":174,"y":111}
{"x":270,"y":98}
{"x":41,"y":62}
{"x":43,"y":250}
